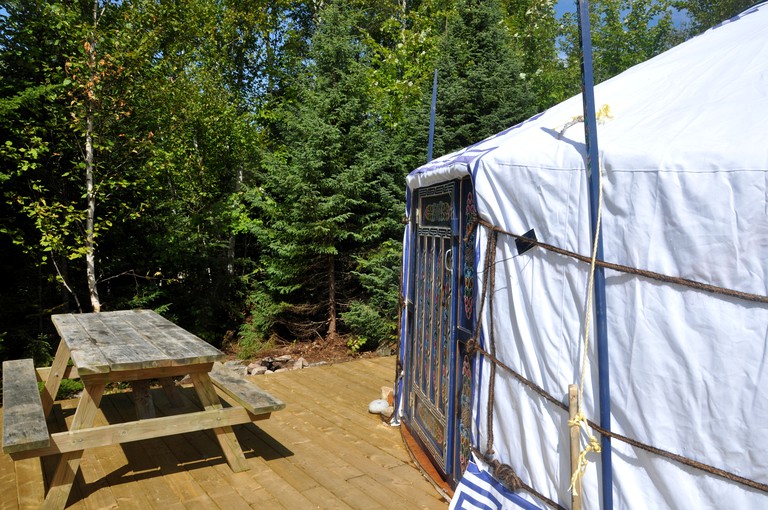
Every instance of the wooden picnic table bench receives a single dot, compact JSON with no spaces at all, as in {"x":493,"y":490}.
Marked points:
{"x":125,"y":346}
{"x":24,"y":425}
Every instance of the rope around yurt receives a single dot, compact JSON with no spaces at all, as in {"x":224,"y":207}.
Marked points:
{"x":652,"y":275}
{"x":503,"y":472}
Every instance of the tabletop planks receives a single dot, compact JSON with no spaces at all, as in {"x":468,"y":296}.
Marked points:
{"x":179,"y":344}
{"x":129,"y":340}
{"x":83,"y":349}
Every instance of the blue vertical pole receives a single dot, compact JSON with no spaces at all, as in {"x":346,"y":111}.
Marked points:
{"x":432,"y":118}
{"x":593,"y":167}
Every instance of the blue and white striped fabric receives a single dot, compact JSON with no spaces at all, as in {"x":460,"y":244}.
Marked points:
{"x":478,"y":490}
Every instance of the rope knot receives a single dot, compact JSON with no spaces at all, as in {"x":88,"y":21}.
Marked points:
{"x":577,"y":420}
{"x":504,"y":473}
{"x":507,"y":476}
{"x":593,"y":446}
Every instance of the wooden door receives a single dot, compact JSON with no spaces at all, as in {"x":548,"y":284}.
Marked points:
{"x":441,"y":319}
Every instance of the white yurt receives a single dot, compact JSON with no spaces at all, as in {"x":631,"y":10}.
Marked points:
{"x":671,"y":364}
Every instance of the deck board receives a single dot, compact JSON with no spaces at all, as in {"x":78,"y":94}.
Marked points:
{"x":349,"y":423}
{"x":324,"y":450}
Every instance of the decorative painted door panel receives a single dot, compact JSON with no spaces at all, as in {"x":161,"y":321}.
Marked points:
{"x":441,"y":320}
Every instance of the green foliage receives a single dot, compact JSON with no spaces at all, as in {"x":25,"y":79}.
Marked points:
{"x":68,"y":388}
{"x":250,"y":157}
{"x":367,"y":327}
{"x":251,"y":342}
{"x":535,"y":31}
{"x":328,"y":194}
{"x":77,"y":85}
{"x":481,"y":88}
{"x":264,"y":314}
{"x":624,"y":33}
{"x":148,"y":297}
{"x":372,"y":320}
{"x":705,"y":14}
{"x":39,"y":349}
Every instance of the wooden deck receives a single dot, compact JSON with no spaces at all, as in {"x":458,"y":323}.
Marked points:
{"x":323,"y":451}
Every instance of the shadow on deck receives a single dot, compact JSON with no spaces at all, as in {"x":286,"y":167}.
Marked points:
{"x":323,"y":451}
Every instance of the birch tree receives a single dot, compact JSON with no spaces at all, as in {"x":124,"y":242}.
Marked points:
{"x":75,"y":158}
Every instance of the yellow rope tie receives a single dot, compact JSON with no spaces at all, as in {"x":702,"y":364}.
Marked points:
{"x":602,"y":116}
{"x":594,"y":446}
{"x":581,"y":420}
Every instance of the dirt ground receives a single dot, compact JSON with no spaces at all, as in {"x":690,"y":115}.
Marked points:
{"x":312,"y":352}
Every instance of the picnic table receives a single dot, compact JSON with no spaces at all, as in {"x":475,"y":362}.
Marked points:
{"x":135,"y":346}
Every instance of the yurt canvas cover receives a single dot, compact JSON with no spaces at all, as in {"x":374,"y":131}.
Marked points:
{"x":683,"y":144}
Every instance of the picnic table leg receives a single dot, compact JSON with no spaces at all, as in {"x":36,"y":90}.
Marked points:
{"x":171,"y":392}
{"x":69,"y":463}
{"x":142,"y":399}
{"x":30,"y":483}
{"x":54,"y":377}
{"x":226,"y":436}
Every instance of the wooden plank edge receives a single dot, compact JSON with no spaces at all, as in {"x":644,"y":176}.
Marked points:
{"x":69,"y":373}
{"x":63,"y":442}
{"x":226,"y":381}
{"x":24,"y":424}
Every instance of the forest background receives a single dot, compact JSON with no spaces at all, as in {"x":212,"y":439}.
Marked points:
{"x":239,"y":165}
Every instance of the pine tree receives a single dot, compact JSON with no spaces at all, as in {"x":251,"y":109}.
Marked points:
{"x":327,"y":197}
{"x":481,"y":87}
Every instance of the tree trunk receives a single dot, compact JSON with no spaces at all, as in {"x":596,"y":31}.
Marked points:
{"x":332,"y":333}
{"x":231,"y":248}
{"x":90,"y":254}
{"x":63,"y":273}
{"x":90,"y":245}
